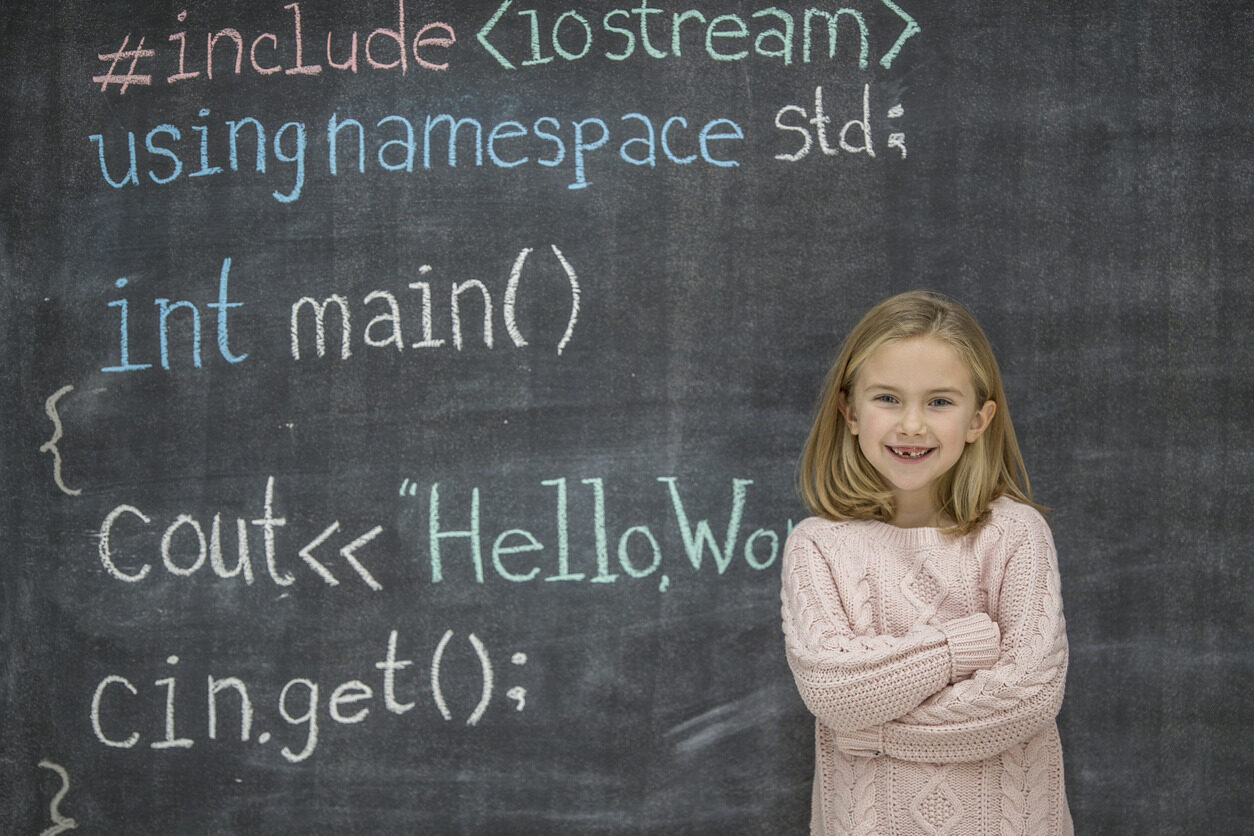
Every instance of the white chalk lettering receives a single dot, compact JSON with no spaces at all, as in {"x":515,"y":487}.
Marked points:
{"x":299,"y":702}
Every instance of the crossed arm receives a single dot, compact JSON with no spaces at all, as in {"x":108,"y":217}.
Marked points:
{"x":961,"y":691}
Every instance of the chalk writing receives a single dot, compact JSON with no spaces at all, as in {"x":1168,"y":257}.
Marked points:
{"x":387,"y":329}
{"x":518,"y":693}
{"x":459,"y":538}
{"x":131,"y":77}
{"x":50,"y":446}
{"x":60,"y":823}
{"x":347,"y":552}
{"x":759,"y":550}
{"x":399,"y":144}
{"x":298,"y":703}
{"x":243,"y":567}
{"x":574,"y":299}
{"x":515,"y":37}
{"x":513,"y":554}
{"x":165,"y":308}
{"x":437,"y":690}
{"x":898,"y":139}
{"x":269,"y":54}
{"x":856,"y":137}
{"x":179,"y":322}
{"x":766,"y":33}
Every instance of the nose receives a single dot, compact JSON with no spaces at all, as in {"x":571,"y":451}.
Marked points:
{"x":911,"y":422}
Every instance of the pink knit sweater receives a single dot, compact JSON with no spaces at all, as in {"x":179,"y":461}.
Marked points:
{"x":935,"y":667}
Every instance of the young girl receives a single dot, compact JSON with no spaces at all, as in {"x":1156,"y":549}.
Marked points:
{"x":921,"y":605}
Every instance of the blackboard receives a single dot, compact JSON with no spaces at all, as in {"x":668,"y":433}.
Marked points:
{"x":513,"y":520}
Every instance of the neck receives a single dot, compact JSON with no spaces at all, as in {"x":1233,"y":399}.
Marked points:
{"x":914,"y":511}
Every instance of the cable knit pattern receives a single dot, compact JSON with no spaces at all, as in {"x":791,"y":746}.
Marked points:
{"x":935,"y":669}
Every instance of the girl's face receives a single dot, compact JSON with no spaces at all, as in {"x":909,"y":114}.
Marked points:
{"x":913,"y":408}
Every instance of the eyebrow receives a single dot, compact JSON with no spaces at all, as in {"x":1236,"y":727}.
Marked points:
{"x":943,"y":391}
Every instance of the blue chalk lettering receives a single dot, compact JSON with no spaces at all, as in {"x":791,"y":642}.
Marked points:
{"x":407,"y":143}
{"x":707,"y":136}
{"x":666,"y":145}
{"x":132,"y":176}
{"x":436,"y":535}
{"x":624,"y":558}
{"x":912,"y":29}
{"x":205,"y":169}
{"x":832,"y":21}
{"x":453,"y":127}
{"x":560,"y":153}
{"x":563,"y":535}
{"x":162,"y":327}
{"x":164,"y":152}
{"x":587,"y":36}
{"x":334,"y":126}
{"x":695,"y":542}
{"x":650,"y":158}
{"x":222,"y":306}
{"x":535,"y":40}
{"x":627,"y":35}
{"x":124,"y":362}
{"x":482,"y":36}
{"x":499,"y":548}
{"x":751,"y":556}
{"x":784,"y":37}
{"x":677,"y":26}
{"x":739,"y":30}
{"x":298,"y":158}
{"x":581,"y":182}
{"x":505,"y":130}
{"x":645,"y":11}
{"x":598,"y":528}
{"x":260,"y":138}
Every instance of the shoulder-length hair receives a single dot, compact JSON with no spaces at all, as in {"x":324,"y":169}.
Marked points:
{"x":837,"y":481}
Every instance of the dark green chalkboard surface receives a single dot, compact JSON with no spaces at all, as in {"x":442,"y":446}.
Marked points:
{"x":401,"y":399}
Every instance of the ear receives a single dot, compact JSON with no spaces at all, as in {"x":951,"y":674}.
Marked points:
{"x":846,"y":409}
{"x":980,"y":421}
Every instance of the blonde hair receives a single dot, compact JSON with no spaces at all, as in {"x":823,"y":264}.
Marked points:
{"x":837,"y":481}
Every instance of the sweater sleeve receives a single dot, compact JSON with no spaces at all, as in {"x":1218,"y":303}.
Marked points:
{"x":850,"y":680}
{"x":1016,"y":697}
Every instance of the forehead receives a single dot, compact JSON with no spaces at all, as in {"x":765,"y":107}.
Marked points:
{"x":916,"y":364}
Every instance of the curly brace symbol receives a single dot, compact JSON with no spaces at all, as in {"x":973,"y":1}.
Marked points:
{"x":50,"y":446}
{"x":59,"y":822}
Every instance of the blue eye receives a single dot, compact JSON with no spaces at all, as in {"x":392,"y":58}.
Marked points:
{"x":941,"y":402}
{"x":885,"y":399}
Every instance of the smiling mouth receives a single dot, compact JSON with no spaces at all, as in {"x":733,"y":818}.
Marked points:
{"x":911,"y":453}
